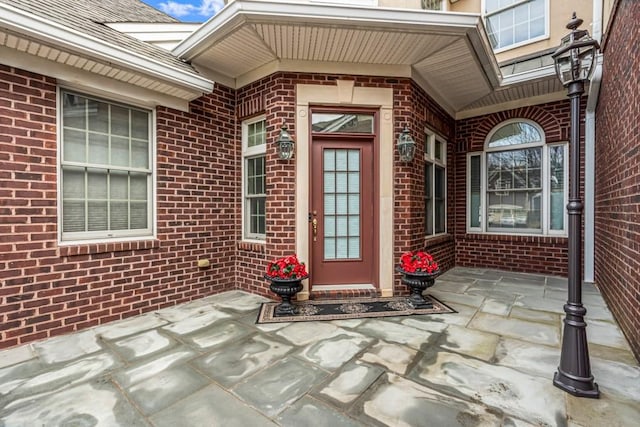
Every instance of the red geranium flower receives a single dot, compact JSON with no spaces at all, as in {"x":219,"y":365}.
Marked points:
{"x":418,"y":262}
{"x":288,"y":267}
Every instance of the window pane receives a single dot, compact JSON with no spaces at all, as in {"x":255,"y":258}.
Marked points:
{"x":97,"y":215}
{"x":139,"y":153}
{"x":514,"y":210}
{"x":138,"y":215}
{"x":475,"y":191}
{"x":98,"y":149}
{"x":557,"y":187}
{"x":428,"y":198}
{"x":342,"y":122}
{"x":119,"y":213}
{"x":119,"y":185}
{"x":140,"y":124}
{"x":74,"y":111}
{"x":74,"y":146}
{"x":439,"y":198}
{"x":138,"y":186}
{"x":256,"y":134}
{"x":98,"y":113}
{"x":119,"y":120}
{"x":514,"y":134}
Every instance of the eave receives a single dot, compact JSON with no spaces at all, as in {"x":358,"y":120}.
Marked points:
{"x":49,"y":48}
{"x":448,"y":54}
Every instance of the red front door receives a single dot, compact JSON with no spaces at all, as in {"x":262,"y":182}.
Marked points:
{"x":342,"y":229}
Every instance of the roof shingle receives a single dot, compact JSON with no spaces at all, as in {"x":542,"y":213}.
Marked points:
{"x":90,"y":16}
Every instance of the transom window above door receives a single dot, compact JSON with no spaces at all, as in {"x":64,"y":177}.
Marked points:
{"x":518,"y":184}
{"x":342,"y":123}
{"x":511,"y":23}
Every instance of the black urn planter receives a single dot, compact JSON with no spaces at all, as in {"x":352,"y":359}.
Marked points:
{"x":418,"y":282}
{"x":285,"y":289}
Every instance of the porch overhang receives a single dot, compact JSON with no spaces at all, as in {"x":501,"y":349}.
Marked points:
{"x":448,"y":54}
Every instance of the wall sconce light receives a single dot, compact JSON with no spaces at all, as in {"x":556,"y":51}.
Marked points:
{"x":285,"y":143}
{"x":406,"y":146}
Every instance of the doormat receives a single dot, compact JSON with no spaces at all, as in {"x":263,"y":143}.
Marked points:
{"x":350,"y":308}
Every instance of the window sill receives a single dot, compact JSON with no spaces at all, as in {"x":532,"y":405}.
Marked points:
{"x":515,"y":237}
{"x":252,"y":246}
{"x":99,"y":248}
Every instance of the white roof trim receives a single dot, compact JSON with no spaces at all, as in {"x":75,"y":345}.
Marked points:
{"x":44,"y":30}
{"x":242,"y":10}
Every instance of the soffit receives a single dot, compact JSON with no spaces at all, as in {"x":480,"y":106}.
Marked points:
{"x":447,"y":53}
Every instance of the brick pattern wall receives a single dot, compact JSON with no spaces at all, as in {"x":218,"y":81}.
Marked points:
{"x":274,"y":96}
{"x":533,"y":254}
{"x":46,"y":290}
{"x":617,"y":244}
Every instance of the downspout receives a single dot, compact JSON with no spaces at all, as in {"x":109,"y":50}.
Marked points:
{"x":590,"y":152}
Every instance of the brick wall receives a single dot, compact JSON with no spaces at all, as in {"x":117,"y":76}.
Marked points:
{"x":617,"y":235}
{"x":533,"y":254}
{"x":274,"y":96}
{"x":47,"y":290}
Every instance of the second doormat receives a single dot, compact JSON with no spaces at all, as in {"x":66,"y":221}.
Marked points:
{"x":350,"y":308}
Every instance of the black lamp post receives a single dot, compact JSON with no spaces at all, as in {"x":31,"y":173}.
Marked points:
{"x":574,"y":61}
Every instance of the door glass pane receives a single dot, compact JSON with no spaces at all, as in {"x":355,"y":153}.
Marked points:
{"x":341,"y":204}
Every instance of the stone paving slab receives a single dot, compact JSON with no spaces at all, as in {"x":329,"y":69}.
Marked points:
{"x":88,"y":404}
{"x":308,"y":411}
{"x":540,"y":333}
{"x":396,"y":401}
{"x":274,"y":389}
{"x":231,"y":364}
{"x":211,"y":406}
{"x":207,"y":363}
{"x":520,"y":395}
{"x":349,"y":383}
{"x":143,"y":344}
{"x":166,"y":388}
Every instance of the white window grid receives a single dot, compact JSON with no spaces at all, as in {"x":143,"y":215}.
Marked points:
{"x":435,"y":155}
{"x":89,"y":166}
{"x":500,"y":9}
{"x":546,"y":227}
{"x":253,"y":146}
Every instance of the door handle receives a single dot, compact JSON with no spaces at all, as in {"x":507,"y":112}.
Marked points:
{"x":314,"y":227}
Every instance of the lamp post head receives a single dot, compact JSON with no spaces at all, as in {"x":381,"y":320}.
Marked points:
{"x":406,"y":146}
{"x":285,"y":143}
{"x":575,"y":58}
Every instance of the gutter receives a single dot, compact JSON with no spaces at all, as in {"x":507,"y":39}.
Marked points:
{"x":590,"y":152}
{"x":43,"y":30}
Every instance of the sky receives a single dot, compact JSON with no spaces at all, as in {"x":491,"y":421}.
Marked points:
{"x":188,"y":10}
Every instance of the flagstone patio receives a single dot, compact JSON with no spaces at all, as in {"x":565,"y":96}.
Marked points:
{"x":207,"y":363}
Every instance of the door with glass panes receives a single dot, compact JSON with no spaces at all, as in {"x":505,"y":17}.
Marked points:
{"x":343,"y":206}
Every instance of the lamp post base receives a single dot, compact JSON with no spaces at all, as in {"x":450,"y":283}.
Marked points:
{"x":579,"y":387}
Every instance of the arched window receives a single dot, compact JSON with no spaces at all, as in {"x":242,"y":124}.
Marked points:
{"x":517,"y":185}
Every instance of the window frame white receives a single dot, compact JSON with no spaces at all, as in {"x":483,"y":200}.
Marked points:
{"x":430,"y":157}
{"x":249,"y":153}
{"x":106,"y":236}
{"x":545,"y":213}
{"x":544,"y":36}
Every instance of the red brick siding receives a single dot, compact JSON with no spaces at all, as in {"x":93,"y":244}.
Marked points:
{"x":533,"y":254}
{"x":617,"y":216}
{"x":48,"y":290}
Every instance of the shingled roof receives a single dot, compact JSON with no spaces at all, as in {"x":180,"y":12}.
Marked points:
{"x":90,"y":16}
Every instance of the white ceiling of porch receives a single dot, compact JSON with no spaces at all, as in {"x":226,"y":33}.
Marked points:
{"x":448,"y":54}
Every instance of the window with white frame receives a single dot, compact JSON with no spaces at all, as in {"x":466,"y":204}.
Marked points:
{"x":512,"y":23}
{"x":106,"y":169}
{"x":435,"y":184}
{"x":254,"y":178}
{"x":431,"y":4}
{"x":518,"y":184}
